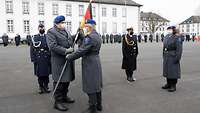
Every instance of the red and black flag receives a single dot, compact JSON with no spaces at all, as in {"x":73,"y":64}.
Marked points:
{"x":88,"y":14}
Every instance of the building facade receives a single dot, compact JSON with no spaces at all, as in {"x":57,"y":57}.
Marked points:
{"x":191,"y":26}
{"x":23,"y":16}
{"x":152,"y":23}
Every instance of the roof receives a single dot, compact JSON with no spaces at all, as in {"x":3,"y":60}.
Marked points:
{"x":191,"y":20}
{"x":115,"y":2}
{"x":145,"y":16}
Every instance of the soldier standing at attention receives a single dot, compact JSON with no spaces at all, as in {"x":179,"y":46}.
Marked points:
{"x":40,"y":56}
{"x":130,"y":53}
{"x":172,"y":52}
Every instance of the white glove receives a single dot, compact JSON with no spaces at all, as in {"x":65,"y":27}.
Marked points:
{"x":69,"y":50}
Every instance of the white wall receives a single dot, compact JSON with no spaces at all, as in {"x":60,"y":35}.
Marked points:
{"x":132,"y":18}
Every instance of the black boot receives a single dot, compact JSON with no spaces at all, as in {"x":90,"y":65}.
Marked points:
{"x":68,"y":100}
{"x":166,"y":86}
{"x":91,"y":109}
{"x":172,"y":89}
{"x":99,"y":101}
{"x":46,"y":89}
{"x":41,"y":90}
{"x":60,"y":106}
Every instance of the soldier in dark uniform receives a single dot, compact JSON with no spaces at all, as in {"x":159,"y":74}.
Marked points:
{"x":5,"y":39}
{"x":151,"y":38}
{"x":188,"y":38}
{"x":193,"y":38}
{"x":111,"y":38}
{"x":107,"y":38}
{"x":145,"y":38}
{"x":28,"y":39}
{"x":162,"y":37}
{"x":92,"y":79}
{"x":130,"y":53}
{"x":139,"y":38}
{"x":157,"y":38}
{"x":119,"y":38}
{"x":40,"y":56}
{"x":17,"y":40}
{"x":60,"y":43}
{"x":172,"y":52}
{"x":104,"y":38}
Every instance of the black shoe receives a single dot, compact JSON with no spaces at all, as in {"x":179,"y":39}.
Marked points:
{"x":91,"y":109}
{"x":60,"y":107}
{"x":99,"y":107}
{"x":172,"y":89}
{"x":46,"y":89}
{"x":41,"y":90}
{"x":130,"y":79}
{"x":166,"y":86}
{"x":68,"y":100}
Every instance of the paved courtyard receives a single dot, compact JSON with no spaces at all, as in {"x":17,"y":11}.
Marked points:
{"x":18,"y":85}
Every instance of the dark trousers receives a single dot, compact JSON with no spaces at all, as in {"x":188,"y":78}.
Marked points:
{"x":5,"y":44}
{"x":95,"y":98}
{"x":43,"y":81}
{"x":129,"y":73}
{"x":61,"y":91}
{"x":172,"y":82}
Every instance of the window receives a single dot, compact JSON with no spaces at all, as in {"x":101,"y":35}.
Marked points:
{"x":10,"y":26}
{"x":26,"y":26}
{"x":41,"y":22}
{"x":25,"y":7}
{"x":69,"y":10}
{"x":9,"y":6}
{"x":114,"y":27}
{"x":55,"y":9}
{"x":41,"y":8}
{"x":114,"y":12}
{"x":69,"y":26}
{"x":123,"y":12}
{"x":104,"y":27}
{"x":104,"y":12}
{"x":123,"y":27}
{"x":93,"y":11}
{"x":81,"y":10}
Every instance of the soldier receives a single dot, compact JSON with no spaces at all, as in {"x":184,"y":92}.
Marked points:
{"x":92,"y":79}
{"x":145,"y":38}
{"x":107,"y":38}
{"x":139,"y":38}
{"x":111,"y":38}
{"x":193,"y":38}
{"x":60,"y":43}
{"x":119,"y":38}
{"x":28,"y":39}
{"x":17,"y":40}
{"x":103,"y":38}
{"x":40,"y":56}
{"x":157,"y":38}
{"x":130,"y":52}
{"x":5,"y":39}
{"x":151,"y":38}
{"x":172,"y":52}
{"x":162,"y":37}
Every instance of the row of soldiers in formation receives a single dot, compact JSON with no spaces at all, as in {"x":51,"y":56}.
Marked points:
{"x":105,"y":38}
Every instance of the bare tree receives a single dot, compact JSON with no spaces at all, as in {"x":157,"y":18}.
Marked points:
{"x":153,"y":23}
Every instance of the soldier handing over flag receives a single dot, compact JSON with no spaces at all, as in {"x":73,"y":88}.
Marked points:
{"x":91,"y":65}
